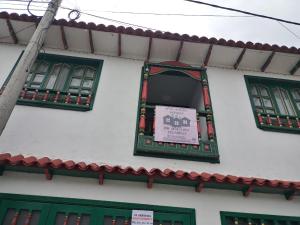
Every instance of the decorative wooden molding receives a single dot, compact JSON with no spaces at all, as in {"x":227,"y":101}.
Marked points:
{"x":91,"y":41}
{"x":207,"y":57}
{"x":295,"y":68}
{"x":179,"y":51}
{"x":199,"y":186}
{"x":268,"y":61}
{"x":63,"y":37}
{"x":149,"y":49}
{"x":247,"y":190}
{"x":119,"y":44}
{"x":238,"y":61}
{"x":12,"y":31}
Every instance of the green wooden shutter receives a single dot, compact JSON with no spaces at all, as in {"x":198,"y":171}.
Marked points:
{"x":25,"y":213}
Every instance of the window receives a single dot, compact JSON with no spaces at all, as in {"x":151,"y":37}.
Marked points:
{"x":34,"y":210}
{"x":178,"y":85}
{"x":229,"y":218}
{"x":61,"y":82}
{"x":275,"y":103}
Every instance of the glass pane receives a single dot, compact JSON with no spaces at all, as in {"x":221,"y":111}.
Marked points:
{"x":51,"y":82}
{"x":38,"y":78}
{"x":35,"y":85}
{"x":296,"y":94}
{"x":22,"y":217}
{"x":298,"y":105}
{"x":35,"y":218}
{"x":279,"y":101}
{"x":78,"y":72}
{"x":288,"y":103}
{"x":260,"y":110}
{"x":263,"y":91}
{"x":254,"y":90}
{"x":107,"y":220}
{"x":9,"y":216}
{"x":85,"y":220}
{"x":85,"y":92}
{"x":60,"y":218}
{"x":72,"y":90}
{"x":267,"y":102}
{"x":270,"y":111}
{"x":87,"y":83}
{"x":29,"y":77}
{"x":256,"y":101}
{"x":62,"y":77}
{"x":90,"y":73}
{"x":75,"y":82}
{"x":33,"y":68}
{"x":72,"y":219}
{"x":43,"y":67}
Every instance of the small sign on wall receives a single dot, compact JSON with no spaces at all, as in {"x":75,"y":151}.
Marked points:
{"x":142,"y":217}
{"x":176,"y":125}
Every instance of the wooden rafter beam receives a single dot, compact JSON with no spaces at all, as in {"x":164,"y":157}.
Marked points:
{"x":207,"y":57}
{"x":239,"y":60}
{"x":91,"y":42}
{"x":63,"y":37}
{"x":268,"y":61}
{"x":149,"y":49}
{"x":119,"y":44}
{"x":295,"y":68}
{"x":12,"y":31}
{"x":179,"y":51}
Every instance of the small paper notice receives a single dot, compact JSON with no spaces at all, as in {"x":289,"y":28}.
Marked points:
{"x":142,"y":217}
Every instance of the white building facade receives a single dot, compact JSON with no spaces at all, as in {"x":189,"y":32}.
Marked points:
{"x":79,"y":147}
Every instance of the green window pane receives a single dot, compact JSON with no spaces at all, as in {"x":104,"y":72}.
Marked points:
{"x":29,"y":77}
{"x":34,"y":66}
{"x":85,"y":92}
{"x":87,"y":83}
{"x":62,"y":77}
{"x":254,"y":90}
{"x":263,"y":91}
{"x":270,"y":111}
{"x":72,"y":90}
{"x":296,"y":94}
{"x":288,"y":103}
{"x":75,"y":82}
{"x":78,"y":72}
{"x":39,"y":78}
{"x":53,"y":75}
{"x":267,"y":102}
{"x":90,"y":73}
{"x":279,"y":101}
{"x":35,"y":85}
{"x":42,"y":68}
{"x":256,"y":101}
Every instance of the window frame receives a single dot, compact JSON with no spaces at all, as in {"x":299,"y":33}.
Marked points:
{"x":207,"y":151}
{"x":277,"y":122}
{"x":77,"y":98}
{"x":262,"y":217}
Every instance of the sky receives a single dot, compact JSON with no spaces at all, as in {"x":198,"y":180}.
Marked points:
{"x":240,"y":27}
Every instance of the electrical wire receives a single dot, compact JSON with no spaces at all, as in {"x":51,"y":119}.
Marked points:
{"x":244,"y":12}
{"x":289,"y":30}
{"x":18,"y":31}
{"x":166,"y":14}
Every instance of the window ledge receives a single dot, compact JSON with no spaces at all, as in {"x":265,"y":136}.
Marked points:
{"x":206,"y":151}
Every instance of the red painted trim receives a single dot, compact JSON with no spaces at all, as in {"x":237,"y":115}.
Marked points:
{"x":207,"y":57}
{"x":145,"y":91}
{"x":206,"y":97}
{"x":157,"y":69}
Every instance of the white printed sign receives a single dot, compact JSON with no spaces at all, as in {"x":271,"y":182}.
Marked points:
{"x":142,"y":217}
{"x":176,"y":125}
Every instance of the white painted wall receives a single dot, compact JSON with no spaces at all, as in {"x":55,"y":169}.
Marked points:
{"x":106,"y":134}
{"x":208,"y":203}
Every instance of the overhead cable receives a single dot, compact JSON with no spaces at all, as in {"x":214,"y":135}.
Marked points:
{"x":244,"y":12}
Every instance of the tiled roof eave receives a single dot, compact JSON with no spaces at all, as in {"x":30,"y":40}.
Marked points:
{"x":157,"y":34}
{"x":200,"y":181}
